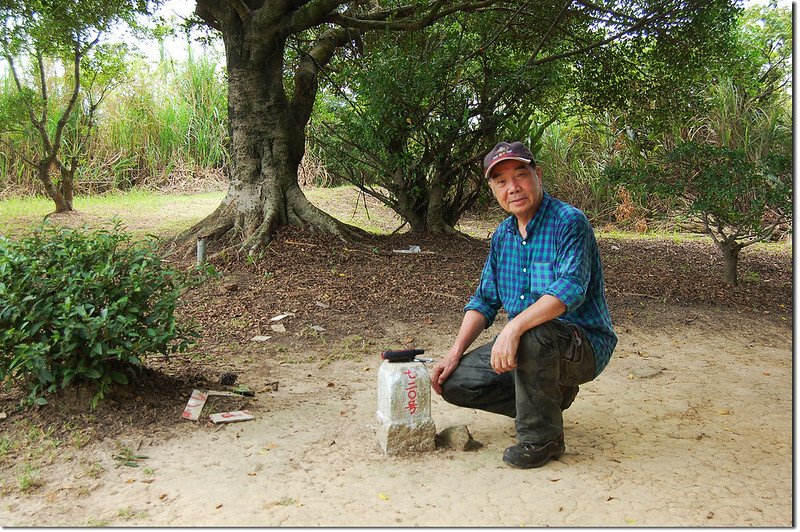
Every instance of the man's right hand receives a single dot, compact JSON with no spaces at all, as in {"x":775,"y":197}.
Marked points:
{"x":442,"y":369}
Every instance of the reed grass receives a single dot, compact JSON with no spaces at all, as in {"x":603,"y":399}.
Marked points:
{"x":169,"y":119}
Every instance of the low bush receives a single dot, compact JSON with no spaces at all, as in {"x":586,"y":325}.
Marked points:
{"x":84,"y":305}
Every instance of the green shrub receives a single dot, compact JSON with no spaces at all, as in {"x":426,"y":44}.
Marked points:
{"x":81,"y":305}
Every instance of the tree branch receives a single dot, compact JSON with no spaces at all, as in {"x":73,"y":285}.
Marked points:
{"x":639,"y":25}
{"x":18,"y":154}
{"x":763,"y":234}
{"x":313,"y":14}
{"x":492,"y":102}
{"x":378,"y":20}
{"x":244,"y":12}
{"x":595,"y":7}
{"x":708,"y":229}
{"x":306,"y":84}
{"x":62,"y":122}
{"x":18,"y":83}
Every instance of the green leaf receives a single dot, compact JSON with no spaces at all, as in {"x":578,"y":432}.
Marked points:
{"x":119,"y":377}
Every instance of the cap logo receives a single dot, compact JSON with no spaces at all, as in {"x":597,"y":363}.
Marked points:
{"x":501,"y":151}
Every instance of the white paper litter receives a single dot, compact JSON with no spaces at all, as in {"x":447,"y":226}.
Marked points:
{"x":231,"y":417}
{"x":195,"y":405}
{"x":411,"y":249}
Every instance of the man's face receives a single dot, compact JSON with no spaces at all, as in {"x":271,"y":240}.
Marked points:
{"x":517,"y":187}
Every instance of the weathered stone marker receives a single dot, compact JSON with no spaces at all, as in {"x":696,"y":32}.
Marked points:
{"x":404,"y":408}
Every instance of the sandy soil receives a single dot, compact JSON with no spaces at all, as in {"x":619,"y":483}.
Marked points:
{"x":705,"y":441}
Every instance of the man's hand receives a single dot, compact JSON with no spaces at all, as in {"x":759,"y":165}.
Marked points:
{"x":504,"y":351}
{"x":471,"y":326}
{"x":442,"y":369}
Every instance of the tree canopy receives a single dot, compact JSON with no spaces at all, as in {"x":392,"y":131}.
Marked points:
{"x":412,"y":117}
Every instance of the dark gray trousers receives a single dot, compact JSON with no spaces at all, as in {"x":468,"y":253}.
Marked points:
{"x":551,"y":355}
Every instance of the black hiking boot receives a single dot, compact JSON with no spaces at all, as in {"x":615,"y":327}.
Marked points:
{"x":527,"y":455}
{"x":568,"y":394}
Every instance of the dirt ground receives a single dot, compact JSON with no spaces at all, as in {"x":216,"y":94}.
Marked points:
{"x":690,"y":424}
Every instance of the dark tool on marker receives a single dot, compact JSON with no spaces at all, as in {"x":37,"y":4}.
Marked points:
{"x":402,"y":355}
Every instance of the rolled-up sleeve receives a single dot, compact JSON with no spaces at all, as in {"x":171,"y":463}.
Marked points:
{"x":573,"y":264}
{"x":486,"y":299}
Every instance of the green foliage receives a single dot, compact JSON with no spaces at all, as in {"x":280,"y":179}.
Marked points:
{"x":41,"y":41}
{"x":84,"y":305}
{"x":734,"y":196}
{"x":574,"y":153}
{"x":655,"y":78}
{"x":170,"y":119}
{"x":414,"y":132}
{"x":761,"y":62}
{"x":426,"y":106}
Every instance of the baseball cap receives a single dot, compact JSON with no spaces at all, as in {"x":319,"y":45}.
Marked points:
{"x":504,"y":151}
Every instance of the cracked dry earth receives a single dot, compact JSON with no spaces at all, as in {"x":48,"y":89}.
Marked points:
{"x":690,"y":424}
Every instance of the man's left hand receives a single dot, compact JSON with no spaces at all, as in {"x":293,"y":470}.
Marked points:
{"x":504,"y":351}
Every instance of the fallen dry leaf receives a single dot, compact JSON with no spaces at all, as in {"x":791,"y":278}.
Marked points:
{"x":383,"y":497}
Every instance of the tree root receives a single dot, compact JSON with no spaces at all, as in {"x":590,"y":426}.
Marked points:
{"x":228,"y":230}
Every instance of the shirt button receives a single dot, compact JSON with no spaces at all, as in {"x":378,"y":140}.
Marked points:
{"x":524,"y":242}
{"x":522,"y":297}
{"x":524,"y":270}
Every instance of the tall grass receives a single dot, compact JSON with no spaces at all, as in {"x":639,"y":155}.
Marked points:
{"x":574,"y":154}
{"x":736,"y":121}
{"x":166,"y":127}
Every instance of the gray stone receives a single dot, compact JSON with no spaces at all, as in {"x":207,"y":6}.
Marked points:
{"x":457,"y":438}
{"x":404,"y":408}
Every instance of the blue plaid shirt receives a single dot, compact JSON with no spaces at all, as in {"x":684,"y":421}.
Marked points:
{"x":559,"y":257}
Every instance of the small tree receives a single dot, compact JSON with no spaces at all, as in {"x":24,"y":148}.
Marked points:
{"x":738,"y":201}
{"x":38,"y":40}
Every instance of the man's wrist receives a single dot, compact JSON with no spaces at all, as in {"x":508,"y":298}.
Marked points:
{"x":515,"y":327}
{"x":455,"y":354}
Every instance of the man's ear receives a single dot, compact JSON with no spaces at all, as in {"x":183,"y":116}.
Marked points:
{"x":538,"y":170}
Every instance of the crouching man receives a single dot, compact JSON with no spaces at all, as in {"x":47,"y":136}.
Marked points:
{"x":544,"y":269}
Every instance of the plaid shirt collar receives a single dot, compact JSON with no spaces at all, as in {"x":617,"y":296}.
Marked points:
{"x":511,"y":221}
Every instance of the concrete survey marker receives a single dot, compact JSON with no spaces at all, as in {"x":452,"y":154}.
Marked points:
{"x":404,"y":408}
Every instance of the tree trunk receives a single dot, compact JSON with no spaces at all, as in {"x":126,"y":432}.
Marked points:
{"x":67,"y":185}
{"x":63,"y":204}
{"x":435,"y":216}
{"x":730,"y":251}
{"x":267,"y":145}
{"x":426,"y":215}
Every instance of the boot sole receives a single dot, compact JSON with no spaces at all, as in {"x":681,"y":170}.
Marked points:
{"x":533,"y":465}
